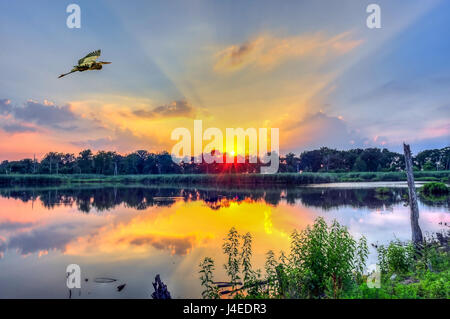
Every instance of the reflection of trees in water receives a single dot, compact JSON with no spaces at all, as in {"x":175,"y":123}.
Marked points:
{"x":328,"y":198}
{"x":435,"y":200}
{"x":106,"y":198}
{"x":101,"y":199}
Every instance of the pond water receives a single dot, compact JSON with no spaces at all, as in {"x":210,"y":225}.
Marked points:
{"x":133,"y":233}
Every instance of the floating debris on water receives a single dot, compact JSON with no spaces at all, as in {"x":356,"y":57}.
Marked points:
{"x":104,"y":280}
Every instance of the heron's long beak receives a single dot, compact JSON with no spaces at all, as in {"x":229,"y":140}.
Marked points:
{"x":105,"y":62}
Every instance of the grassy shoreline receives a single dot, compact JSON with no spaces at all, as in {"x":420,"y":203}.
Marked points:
{"x":286,"y":179}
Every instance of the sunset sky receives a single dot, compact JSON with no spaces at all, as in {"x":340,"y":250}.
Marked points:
{"x":310,"y":68}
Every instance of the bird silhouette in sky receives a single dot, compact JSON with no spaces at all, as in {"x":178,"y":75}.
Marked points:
{"x":89,"y":62}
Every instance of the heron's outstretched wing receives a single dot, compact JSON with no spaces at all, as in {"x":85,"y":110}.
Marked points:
{"x":89,"y":59}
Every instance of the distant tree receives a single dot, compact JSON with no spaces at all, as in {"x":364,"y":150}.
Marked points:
{"x":4,"y":167}
{"x":360,"y":165}
{"x":439,"y":159}
{"x":310,"y":161}
{"x":429,"y":166}
{"x":85,"y":162}
{"x":52,"y":162}
{"x":371,"y":157}
{"x":292,"y":163}
{"x":166,"y":165}
{"x":104,"y":162}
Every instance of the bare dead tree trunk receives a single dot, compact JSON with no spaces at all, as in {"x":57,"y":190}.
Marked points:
{"x":417,"y":237}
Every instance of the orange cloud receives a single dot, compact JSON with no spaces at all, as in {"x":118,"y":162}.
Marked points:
{"x":267,"y":51}
{"x":177,"y":245}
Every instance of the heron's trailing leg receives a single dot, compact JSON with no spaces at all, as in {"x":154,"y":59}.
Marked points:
{"x":65,"y":74}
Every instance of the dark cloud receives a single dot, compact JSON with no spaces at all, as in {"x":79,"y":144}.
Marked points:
{"x":388,"y":89}
{"x":394,"y":90}
{"x":443,"y":110}
{"x":176,"y":245}
{"x":427,"y":143}
{"x":9,"y":225}
{"x":54,"y":237}
{"x":47,"y":114}
{"x":5,"y":107}
{"x":18,"y":128}
{"x":174,"y":109}
{"x":318,"y":130}
{"x":50,"y":115}
{"x":99,"y":143}
{"x":2,"y":247}
{"x":121,"y":140}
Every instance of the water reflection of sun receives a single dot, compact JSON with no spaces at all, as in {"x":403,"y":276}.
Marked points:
{"x":188,"y":225}
{"x":177,"y":230}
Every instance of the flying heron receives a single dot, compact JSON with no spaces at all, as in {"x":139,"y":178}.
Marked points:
{"x":89,"y":62}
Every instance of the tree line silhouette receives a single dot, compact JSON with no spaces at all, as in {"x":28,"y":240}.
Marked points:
{"x":143,"y":162}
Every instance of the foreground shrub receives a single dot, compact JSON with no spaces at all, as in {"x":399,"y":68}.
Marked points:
{"x":327,"y":257}
{"x":325,"y":261}
{"x":396,"y":257}
{"x":434,"y":188}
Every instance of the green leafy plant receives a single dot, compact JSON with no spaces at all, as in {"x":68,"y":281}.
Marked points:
{"x":246,"y":255}
{"x":327,"y":257}
{"x":396,"y":257}
{"x":231,"y":249}
{"x":206,"y":276}
{"x":271,"y":272}
{"x":362,"y":253}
